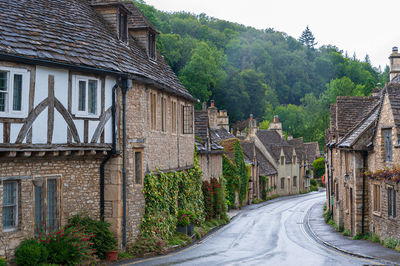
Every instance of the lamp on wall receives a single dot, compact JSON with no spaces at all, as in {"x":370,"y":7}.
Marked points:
{"x":346,"y":177}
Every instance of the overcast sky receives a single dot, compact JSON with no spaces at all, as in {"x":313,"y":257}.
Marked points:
{"x":365,"y":27}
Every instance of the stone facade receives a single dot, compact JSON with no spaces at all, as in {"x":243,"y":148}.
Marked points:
{"x":210,"y":165}
{"x":78,"y":191}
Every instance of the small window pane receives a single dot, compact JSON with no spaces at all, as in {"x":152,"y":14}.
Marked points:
{"x":52,"y":204}
{"x":39,"y":208}
{"x":3,"y":91}
{"x":3,"y":81}
{"x":92,"y":100}
{"x":10,"y":205}
{"x":82,"y":96}
{"x":138,"y":167}
{"x":17,"y":95}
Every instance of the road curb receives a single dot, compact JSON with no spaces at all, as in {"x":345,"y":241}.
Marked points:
{"x":315,"y":236}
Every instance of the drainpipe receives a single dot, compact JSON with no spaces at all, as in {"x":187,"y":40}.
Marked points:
{"x":364,"y":155}
{"x":124,"y":88}
{"x":331,"y":192}
{"x":111,"y":154}
{"x":328,"y":180}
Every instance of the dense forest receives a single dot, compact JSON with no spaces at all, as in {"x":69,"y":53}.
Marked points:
{"x":261,"y":72}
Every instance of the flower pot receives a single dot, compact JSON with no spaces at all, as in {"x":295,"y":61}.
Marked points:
{"x":182,"y":229}
{"x":112,"y":255}
{"x":190,"y":230}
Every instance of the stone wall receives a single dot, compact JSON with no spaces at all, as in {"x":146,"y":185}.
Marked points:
{"x":210,"y":165}
{"x":79,"y":187}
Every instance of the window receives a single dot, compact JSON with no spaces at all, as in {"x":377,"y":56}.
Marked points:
{"x":377,"y":198}
{"x":87,"y":95}
{"x":152,"y":45}
{"x":163,"y":114}
{"x":187,"y":119}
{"x":47,"y":205}
{"x":14,"y":94}
{"x":295,"y":181}
{"x":138,"y":167}
{"x":173,"y":116}
{"x":123,"y":26}
{"x":282,"y":183}
{"x":153,"y":110}
{"x":337,"y":191}
{"x":391,"y":202}
{"x":10,"y":205}
{"x":294,"y":159}
{"x":282,"y":160}
{"x":387,"y":135}
{"x":347,"y":199}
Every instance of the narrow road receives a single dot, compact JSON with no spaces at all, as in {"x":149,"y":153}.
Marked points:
{"x":273,"y":233}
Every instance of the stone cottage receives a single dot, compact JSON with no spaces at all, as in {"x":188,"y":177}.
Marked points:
{"x":362,"y":139}
{"x":87,"y":108}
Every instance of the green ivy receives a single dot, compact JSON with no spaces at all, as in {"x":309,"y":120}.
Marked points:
{"x":164,"y":194}
{"x":237,"y":175}
{"x":263,"y":185}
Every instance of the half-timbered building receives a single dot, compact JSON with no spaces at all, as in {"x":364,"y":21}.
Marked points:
{"x":87,"y":108}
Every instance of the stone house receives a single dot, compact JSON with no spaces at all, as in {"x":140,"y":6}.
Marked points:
{"x":363,"y":137}
{"x":88,"y":107}
{"x":208,"y":150}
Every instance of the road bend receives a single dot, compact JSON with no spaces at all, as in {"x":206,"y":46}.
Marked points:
{"x":273,"y":233}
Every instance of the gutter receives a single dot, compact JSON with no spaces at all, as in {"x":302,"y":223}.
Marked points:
{"x":331,"y":180}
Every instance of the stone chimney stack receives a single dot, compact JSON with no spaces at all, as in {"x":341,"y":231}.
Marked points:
{"x":252,"y":130}
{"x":394,"y":63}
{"x":276,"y":125}
{"x":213,"y":115}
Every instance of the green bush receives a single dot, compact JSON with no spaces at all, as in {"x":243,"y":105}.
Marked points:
{"x":313,"y":182}
{"x":358,"y":236}
{"x":319,"y":167}
{"x":390,"y":243}
{"x":68,"y":246}
{"x":103,"y":239}
{"x":143,"y":245}
{"x":374,"y":238}
{"x":3,"y":262}
{"x":31,"y":252}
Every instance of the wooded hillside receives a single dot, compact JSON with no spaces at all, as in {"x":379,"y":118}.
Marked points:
{"x":263,"y":72}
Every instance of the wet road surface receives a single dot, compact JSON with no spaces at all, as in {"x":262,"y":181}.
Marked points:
{"x":273,"y":233}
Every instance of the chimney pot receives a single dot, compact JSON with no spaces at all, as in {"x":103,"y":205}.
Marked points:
{"x":276,"y":119}
{"x":395,"y":49}
{"x":212,"y":103}
{"x":251,"y":116}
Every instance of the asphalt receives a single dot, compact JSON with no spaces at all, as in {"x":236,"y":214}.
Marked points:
{"x":328,"y":236}
{"x":282,"y":231}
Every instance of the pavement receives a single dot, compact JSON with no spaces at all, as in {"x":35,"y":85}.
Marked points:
{"x":359,"y":248}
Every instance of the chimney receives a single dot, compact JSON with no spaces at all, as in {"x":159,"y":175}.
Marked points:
{"x":204,"y":106}
{"x":212,"y":104}
{"x":394,"y":63}
{"x":252,"y":130}
{"x":376,"y":90}
{"x":276,"y":125}
{"x":213,"y":115}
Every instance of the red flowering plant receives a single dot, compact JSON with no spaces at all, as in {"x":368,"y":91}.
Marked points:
{"x":67,"y":246}
{"x":392,"y":174}
{"x":185,"y":217}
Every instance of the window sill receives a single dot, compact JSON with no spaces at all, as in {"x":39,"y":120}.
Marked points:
{"x":377,"y":213}
{"x":84,"y":116}
{"x":10,"y":230}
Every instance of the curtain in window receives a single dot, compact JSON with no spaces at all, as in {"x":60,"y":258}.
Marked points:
{"x":82,"y":96}
{"x":9,"y":205}
{"x":92,"y":100}
{"x":17,"y":93}
{"x":52,"y":204}
{"x":3,"y":91}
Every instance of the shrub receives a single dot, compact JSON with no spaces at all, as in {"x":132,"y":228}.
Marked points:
{"x":185,"y":217}
{"x":3,"y":262}
{"x":374,"y":238}
{"x":31,"y":252}
{"x":313,"y":182}
{"x":143,"y":245}
{"x":103,"y":239}
{"x":346,"y":232}
{"x":358,"y":236}
{"x":67,"y":246}
{"x":390,"y":243}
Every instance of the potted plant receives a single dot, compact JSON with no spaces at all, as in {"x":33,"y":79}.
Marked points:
{"x":185,"y":222}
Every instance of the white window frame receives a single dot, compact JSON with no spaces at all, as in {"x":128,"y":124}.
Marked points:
{"x":9,"y":112}
{"x":75,"y":101}
{"x":11,"y":229}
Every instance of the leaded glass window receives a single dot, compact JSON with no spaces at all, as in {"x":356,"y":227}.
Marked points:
{"x":3,"y":90}
{"x":10,"y":205}
{"x":17,"y":93}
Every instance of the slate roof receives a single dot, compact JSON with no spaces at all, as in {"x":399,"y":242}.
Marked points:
{"x":202,"y":135}
{"x":137,"y":20}
{"x":351,"y":110}
{"x":311,"y":151}
{"x":228,"y":145}
{"x":71,"y":32}
{"x":269,"y":137}
{"x":266,"y":167}
{"x":393,"y":91}
{"x":273,"y":142}
{"x":220,"y":134}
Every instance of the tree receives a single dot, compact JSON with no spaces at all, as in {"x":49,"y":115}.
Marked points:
{"x":307,"y":38}
{"x":319,"y":167}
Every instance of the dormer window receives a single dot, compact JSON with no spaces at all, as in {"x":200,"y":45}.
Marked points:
{"x":123,"y":26}
{"x":152,"y":45}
